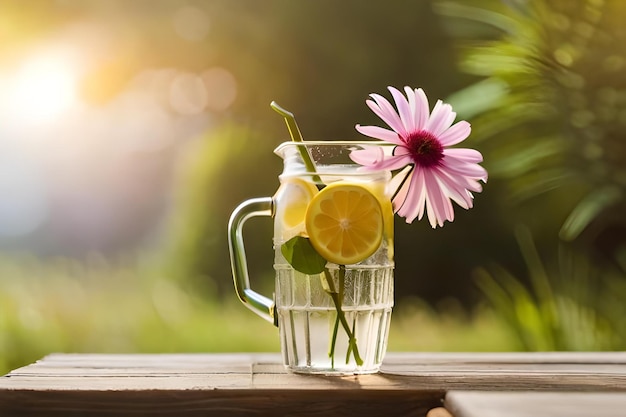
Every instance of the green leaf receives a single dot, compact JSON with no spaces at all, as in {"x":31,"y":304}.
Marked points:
{"x":479,"y":98}
{"x":588,"y":210}
{"x":302,"y":256}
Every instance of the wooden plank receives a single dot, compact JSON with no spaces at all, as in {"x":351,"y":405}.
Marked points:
{"x":533,"y":404}
{"x":505,"y":357}
{"x":184,"y":384}
{"x":574,"y":371}
{"x":219,"y":403}
{"x":195,"y":384}
{"x":93,"y":365}
{"x":263,"y":371}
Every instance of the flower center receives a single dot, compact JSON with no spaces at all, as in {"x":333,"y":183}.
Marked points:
{"x":424,"y":148}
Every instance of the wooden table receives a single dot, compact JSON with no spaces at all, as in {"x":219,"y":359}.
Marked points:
{"x":409,"y":384}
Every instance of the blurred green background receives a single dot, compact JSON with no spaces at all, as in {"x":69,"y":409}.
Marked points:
{"x":129,"y":130}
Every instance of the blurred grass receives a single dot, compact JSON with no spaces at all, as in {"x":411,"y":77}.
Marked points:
{"x":95,"y":306}
{"x":572,"y":302}
{"x":68,"y":306}
{"x":448,"y":327}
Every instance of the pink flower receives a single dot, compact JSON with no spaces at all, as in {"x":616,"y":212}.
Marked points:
{"x":428,"y":174}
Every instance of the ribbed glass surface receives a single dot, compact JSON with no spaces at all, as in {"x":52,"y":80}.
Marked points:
{"x":307,"y":318}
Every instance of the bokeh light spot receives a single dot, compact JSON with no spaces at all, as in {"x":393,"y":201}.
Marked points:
{"x":221,"y":88}
{"x":613,"y":63}
{"x":187,"y":94}
{"x":564,"y":57}
{"x":140,"y":123}
{"x":191,"y":23}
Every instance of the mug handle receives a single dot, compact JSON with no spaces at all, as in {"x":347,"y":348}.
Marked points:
{"x":256,"y":302}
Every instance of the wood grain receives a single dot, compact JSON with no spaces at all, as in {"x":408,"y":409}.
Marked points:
{"x":409,"y":384}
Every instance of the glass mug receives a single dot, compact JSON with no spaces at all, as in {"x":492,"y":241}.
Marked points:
{"x":336,"y":321}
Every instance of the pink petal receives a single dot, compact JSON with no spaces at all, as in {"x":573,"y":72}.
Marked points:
{"x":467,"y":183}
{"x":464,"y":154}
{"x":412,"y":204}
{"x":401,"y":150}
{"x":456,"y":166}
{"x":400,"y":186}
{"x":422,"y":110}
{"x":447,"y":203}
{"x":437,"y":213}
{"x":455,"y":134}
{"x":410,"y":94}
{"x":473,"y":185}
{"x":403,"y":109}
{"x":378,"y":111}
{"x":430,"y":211}
{"x":440,"y":119}
{"x":455,"y":191}
{"x":380,"y":133}
{"x":375,"y":158}
{"x":403,"y":204}
{"x":394,"y":162}
{"x":368,"y":156}
{"x":462,"y":181}
{"x":387,"y":113}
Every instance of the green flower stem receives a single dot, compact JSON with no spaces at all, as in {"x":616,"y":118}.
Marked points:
{"x":341,"y":317}
{"x":296,"y":136}
{"x":331,"y":353}
{"x":350,"y":346}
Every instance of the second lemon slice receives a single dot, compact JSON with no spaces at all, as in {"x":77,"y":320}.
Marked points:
{"x":344,"y":222}
{"x":292,"y":200}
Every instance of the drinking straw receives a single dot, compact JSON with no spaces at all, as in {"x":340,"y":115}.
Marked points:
{"x":296,"y":136}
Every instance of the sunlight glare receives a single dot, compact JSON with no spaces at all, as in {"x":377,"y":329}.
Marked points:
{"x":44,"y":87}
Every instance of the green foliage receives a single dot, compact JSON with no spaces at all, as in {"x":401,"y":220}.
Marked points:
{"x":222,"y":169}
{"x":553,"y":119}
{"x":552,"y":127}
{"x":575,"y":305}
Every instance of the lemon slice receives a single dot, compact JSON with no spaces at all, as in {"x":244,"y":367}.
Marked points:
{"x":292,"y":199}
{"x":379,"y":190}
{"x":345,"y":223}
